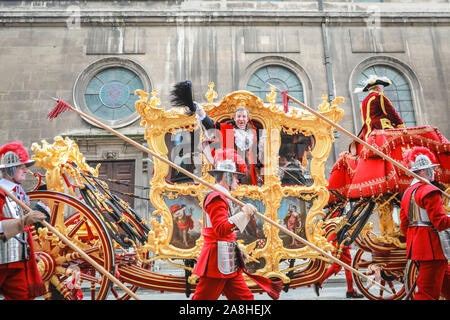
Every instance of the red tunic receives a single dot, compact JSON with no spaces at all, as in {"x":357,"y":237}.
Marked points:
{"x":20,"y":280}
{"x":228,"y":141}
{"x":377,"y":112}
{"x":212,"y":282}
{"x":216,"y":207}
{"x":422,"y":243}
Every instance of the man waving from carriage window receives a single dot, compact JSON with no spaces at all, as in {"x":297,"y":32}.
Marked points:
{"x":239,"y":134}
{"x":422,"y":215}
{"x":377,"y":111}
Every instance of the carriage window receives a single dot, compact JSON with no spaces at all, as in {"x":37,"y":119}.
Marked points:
{"x":182,"y":152}
{"x":281,"y":77}
{"x":253,"y":154}
{"x":294,"y":159}
{"x":399,"y":92}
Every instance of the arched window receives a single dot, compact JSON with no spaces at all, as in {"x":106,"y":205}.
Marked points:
{"x":110,"y":93}
{"x":105,"y":90}
{"x":399,"y":92}
{"x":281,"y":77}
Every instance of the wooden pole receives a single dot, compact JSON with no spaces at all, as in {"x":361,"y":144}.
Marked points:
{"x":236,"y":201}
{"x":72,"y":246}
{"x":378,"y":152}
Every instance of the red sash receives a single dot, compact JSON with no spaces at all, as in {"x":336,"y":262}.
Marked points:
{"x":36,"y":287}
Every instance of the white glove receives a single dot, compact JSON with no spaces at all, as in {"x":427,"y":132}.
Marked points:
{"x":11,"y":227}
{"x":200,"y":114}
{"x":249,"y":209}
{"x":242,"y":218}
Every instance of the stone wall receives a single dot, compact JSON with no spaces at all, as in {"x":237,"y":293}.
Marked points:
{"x":46,"y":45}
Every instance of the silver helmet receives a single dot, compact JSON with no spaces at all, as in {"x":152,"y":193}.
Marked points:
{"x":421,"y":162}
{"x":14,"y":154}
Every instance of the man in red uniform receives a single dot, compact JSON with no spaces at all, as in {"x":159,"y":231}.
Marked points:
{"x":422,"y":214}
{"x":238,"y":134}
{"x":377,"y":111}
{"x":219,"y":265}
{"x":19,"y":278}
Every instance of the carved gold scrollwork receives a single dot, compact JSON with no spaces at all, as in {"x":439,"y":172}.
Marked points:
{"x":267,"y":251}
{"x":161,"y":121}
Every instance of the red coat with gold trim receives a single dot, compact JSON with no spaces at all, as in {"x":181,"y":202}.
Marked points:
{"x":377,"y":112}
{"x":422,"y":243}
{"x":216,"y":207}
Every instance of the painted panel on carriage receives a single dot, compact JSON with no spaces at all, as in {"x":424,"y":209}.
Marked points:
{"x":254,"y":229}
{"x":292,"y":214}
{"x":186,"y":216}
{"x":187,"y":221}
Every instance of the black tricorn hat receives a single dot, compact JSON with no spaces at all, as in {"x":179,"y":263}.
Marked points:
{"x":374,"y":80}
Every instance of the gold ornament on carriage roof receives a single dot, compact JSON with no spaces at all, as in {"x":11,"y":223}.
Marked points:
{"x":176,"y":228}
{"x":155,"y":101}
{"x":272,"y":96}
{"x":210,"y":95}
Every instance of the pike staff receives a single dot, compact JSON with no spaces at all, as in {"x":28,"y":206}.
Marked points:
{"x":180,"y":101}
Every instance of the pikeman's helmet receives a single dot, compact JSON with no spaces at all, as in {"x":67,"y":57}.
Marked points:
{"x":14,"y":154}
{"x":228,"y":160}
{"x":419,"y":158}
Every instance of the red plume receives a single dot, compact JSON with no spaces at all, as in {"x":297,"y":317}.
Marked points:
{"x":410,"y":156}
{"x":17,"y":148}
{"x":60,"y":108}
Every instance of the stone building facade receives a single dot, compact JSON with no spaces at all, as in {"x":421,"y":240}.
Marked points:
{"x":85,"y":51}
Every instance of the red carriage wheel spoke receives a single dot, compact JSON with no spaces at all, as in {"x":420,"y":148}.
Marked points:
{"x":77,"y":227}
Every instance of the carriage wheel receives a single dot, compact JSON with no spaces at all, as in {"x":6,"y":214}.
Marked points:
{"x":117,"y":292}
{"x":411,"y":274}
{"x":363,"y":263}
{"x":60,"y":265}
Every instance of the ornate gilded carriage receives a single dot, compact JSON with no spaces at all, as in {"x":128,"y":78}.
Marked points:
{"x":116,"y":236}
{"x":264,"y":245}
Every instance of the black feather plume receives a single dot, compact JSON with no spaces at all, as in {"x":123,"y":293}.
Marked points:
{"x":181,"y":96}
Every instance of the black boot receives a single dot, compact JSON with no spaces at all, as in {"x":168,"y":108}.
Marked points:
{"x":354,"y":294}
{"x":317,"y":286}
